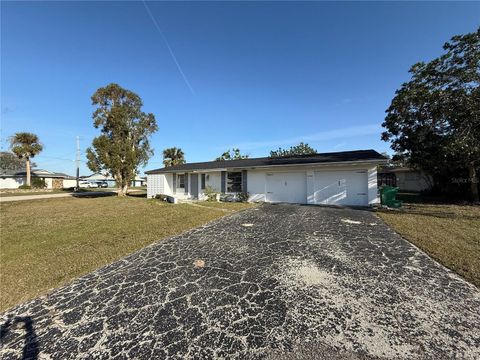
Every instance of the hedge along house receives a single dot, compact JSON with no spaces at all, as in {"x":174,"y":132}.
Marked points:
{"x":340,"y":178}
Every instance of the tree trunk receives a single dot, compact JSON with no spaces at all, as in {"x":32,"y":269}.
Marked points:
{"x":472,"y":172}
{"x":122,"y":190}
{"x":28,"y":172}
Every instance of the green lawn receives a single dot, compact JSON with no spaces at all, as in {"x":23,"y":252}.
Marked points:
{"x":33,"y":192}
{"x":448,"y":233}
{"x":47,"y":243}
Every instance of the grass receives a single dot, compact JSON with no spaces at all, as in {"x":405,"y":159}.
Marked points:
{"x":449,"y":233}
{"x":47,"y":243}
{"x":33,"y":192}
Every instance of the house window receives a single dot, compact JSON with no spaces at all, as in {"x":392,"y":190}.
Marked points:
{"x":181,"y":181}
{"x":234,"y":181}
{"x":202,"y":182}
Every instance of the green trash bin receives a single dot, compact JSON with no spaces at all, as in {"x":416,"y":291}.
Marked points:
{"x":387,"y":196}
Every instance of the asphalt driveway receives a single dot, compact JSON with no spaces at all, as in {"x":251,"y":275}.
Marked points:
{"x":278,"y":277}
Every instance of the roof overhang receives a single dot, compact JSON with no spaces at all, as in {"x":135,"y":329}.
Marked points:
{"x":265,"y":167}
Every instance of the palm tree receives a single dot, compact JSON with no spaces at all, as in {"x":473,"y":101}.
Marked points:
{"x":173,"y":156}
{"x":25,"y":145}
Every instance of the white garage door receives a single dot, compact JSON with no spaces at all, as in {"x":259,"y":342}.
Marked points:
{"x":286,"y":187}
{"x":341,"y":187}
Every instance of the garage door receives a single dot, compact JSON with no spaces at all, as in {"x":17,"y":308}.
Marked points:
{"x":341,"y":187}
{"x":286,"y":187}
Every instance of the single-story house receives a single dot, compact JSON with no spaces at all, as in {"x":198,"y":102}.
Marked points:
{"x":339,"y":178}
{"x":405,"y":178}
{"x":139,"y":181}
{"x":97,"y":177}
{"x":13,"y":179}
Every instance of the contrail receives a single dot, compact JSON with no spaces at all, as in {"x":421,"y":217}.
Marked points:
{"x":169,"y":48}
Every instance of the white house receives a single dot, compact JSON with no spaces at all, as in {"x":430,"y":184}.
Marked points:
{"x":340,"y":178}
{"x":12,"y":179}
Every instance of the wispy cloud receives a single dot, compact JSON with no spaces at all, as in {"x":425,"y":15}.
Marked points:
{"x":340,"y":145}
{"x":341,"y":133}
{"x":169,"y":48}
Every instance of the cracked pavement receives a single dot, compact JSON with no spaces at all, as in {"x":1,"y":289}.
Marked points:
{"x":267,"y":278}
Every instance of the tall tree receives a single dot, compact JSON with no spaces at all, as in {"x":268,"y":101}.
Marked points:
{"x":173,"y":156}
{"x":26,"y":145}
{"x":434,"y":119}
{"x":9,"y":161}
{"x":233,"y":154}
{"x":300,"y":149}
{"x":123,"y":144}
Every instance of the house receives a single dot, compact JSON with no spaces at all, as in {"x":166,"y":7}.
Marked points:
{"x":405,"y":178}
{"x":138,"y":181}
{"x":339,"y":178}
{"x":97,"y":177}
{"x":12,"y":179}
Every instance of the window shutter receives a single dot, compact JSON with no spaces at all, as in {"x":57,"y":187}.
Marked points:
{"x":244,"y":181}
{"x":186,"y":184}
{"x":223,"y":181}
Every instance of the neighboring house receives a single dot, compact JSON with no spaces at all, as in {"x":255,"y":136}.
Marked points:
{"x":100,"y":177}
{"x":341,"y":178}
{"x":406,"y":179}
{"x":12,"y":179}
{"x":139,"y":181}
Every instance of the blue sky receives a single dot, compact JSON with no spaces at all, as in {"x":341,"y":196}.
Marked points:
{"x":255,"y":75}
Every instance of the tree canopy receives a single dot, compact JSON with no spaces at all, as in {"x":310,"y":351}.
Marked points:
{"x":434,"y":119}
{"x":25,"y":146}
{"x":9,"y":161}
{"x":231,"y":154}
{"x":300,"y":149}
{"x":173,"y":156}
{"x":123,"y":144}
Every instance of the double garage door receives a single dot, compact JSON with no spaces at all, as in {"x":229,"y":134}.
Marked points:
{"x":329,"y":187}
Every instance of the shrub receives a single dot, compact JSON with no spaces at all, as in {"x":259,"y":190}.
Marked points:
{"x":242,"y":197}
{"x":24,"y":187}
{"x":38,"y":183}
{"x":210,"y":193}
{"x":161,"y":197}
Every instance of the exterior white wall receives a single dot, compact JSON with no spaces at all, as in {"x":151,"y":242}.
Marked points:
{"x":257,"y":179}
{"x":49,"y":183}
{"x":373,"y":196}
{"x":155,"y":185}
{"x":69,"y":183}
{"x":11,"y":183}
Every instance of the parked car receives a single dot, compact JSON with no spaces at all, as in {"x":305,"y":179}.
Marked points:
{"x":102,"y":184}
{"x":87,"y":184}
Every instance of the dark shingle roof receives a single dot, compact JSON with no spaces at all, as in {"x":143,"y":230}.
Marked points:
{"x":334,"y":157}
{"x":35,"y":172}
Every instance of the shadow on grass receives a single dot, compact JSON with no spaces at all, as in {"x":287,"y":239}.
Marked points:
{"x":137,"y":194}
{"x":88,"y":195}
{"x":30,"y":347}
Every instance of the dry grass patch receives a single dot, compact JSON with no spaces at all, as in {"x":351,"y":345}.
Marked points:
{"x":448,"y":233}
{"x":46,"y":243}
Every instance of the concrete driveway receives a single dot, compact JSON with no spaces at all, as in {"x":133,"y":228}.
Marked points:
{"x":325,"y":282}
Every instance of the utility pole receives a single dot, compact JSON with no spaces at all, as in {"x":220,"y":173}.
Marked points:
{"x":78,"y":163}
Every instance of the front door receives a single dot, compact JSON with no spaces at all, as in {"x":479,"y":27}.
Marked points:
{"x":194,"y":185}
